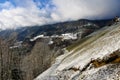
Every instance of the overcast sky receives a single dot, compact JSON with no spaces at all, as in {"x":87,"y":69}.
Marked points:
{"x":21,"y":13}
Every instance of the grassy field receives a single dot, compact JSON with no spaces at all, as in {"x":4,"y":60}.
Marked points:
{"x":85,"y":41}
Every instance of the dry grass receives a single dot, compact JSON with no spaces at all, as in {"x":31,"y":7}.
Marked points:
{"x":85,"y":41}
{"x":116,"y":60}
{"x":71,"y":47}
{"x":74,"y":69}
{"x":112,"y":59}
{"x":90,"y":40}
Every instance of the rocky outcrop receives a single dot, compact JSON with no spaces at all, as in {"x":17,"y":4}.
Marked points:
{"x":107,"y":72}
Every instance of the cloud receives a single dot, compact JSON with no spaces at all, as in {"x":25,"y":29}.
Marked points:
{"x":24,"y":14}
{"x":38,"y":12}
{"x":91,"y":9}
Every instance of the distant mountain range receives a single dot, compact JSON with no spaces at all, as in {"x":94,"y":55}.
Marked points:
{"x":58,"y":28}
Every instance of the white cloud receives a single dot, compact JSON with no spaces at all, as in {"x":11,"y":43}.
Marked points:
{"x":27,"y":12}
{"x":22,"y":16}
{"x":76,"y":9}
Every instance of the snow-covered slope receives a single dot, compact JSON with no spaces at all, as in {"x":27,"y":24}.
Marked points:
{"x":72,"y":65}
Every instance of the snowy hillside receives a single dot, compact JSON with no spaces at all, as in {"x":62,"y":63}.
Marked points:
{"x":76,"y":63}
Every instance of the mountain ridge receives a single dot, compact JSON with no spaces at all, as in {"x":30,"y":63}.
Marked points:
{"x":57,"y":28}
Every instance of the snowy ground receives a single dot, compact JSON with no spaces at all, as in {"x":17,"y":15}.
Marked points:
{"x":102,"y":42}
{"x":108,"y":72}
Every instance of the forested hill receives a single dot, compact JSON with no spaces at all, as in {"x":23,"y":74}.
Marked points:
{"x":51,"y":29}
